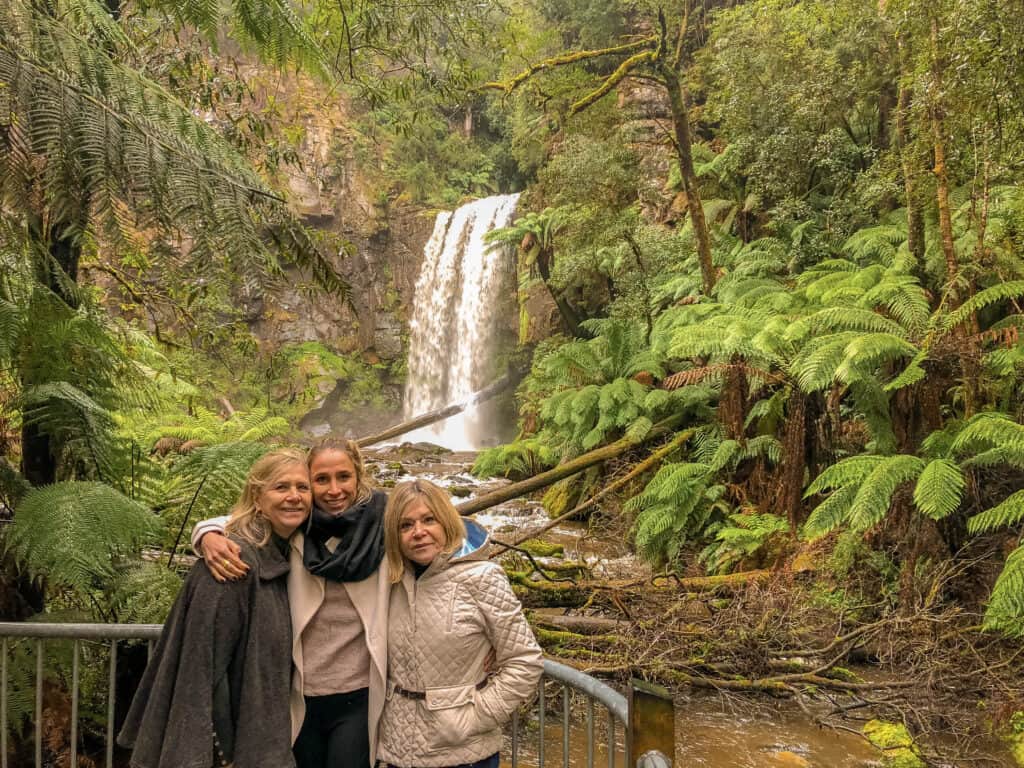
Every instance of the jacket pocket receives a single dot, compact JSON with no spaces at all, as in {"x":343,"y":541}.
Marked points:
{"x":454,"y":716}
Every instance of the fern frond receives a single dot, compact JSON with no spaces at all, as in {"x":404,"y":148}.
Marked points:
{"x":874,"y":496}
{"x":1012,"y":289}
{"x":848,"y":472}
{"x":1009,"y":512}
{"x":992,"y":431}
{"x":830,"y":514}
{"x":74,"y":533}
{"x":939,"y":489}
{"x":1005,"y":611}
{"x":144,"y":593}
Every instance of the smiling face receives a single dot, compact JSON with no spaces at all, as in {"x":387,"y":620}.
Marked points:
{"x":422,"y":536}
{"x":335,"y":481}
{"x":286,"y":498}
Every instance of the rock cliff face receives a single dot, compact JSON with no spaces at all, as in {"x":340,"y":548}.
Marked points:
{"x":336,"y":194}
{"x":337,"y":190}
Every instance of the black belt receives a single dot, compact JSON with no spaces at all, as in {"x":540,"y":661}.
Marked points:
{"x":421,"y":695}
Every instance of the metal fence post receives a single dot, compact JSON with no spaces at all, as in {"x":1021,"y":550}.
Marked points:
{"x":651,"y":726}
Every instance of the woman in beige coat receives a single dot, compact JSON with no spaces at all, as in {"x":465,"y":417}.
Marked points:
{"x":450,"y":608}
{"x":338,"y":590}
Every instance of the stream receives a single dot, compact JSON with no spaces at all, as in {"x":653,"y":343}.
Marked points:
{"x":711,"y":730}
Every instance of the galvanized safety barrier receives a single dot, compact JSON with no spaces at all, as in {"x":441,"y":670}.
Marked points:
{"x":620,"y":715}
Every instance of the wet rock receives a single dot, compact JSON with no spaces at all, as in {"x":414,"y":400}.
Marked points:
{"x":790,"y":759}
{"x":418,"y":451}
{"x":460,"y":491}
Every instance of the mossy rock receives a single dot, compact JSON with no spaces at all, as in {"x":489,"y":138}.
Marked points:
{"x":1015,"y":737}
{"x":1016,"y":744}
{"x":566,"y":494}
{"x":561,"y":497}
{"x":396,"y":466}
{"x":539,"y":548}
{"x":460,"y":491}
{"x":897,"y":745}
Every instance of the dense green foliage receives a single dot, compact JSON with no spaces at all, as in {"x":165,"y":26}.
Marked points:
{"x":854,"y":360}
{"x":797,"y":227}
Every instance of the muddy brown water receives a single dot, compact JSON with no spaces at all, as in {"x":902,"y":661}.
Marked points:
{"x":717,"y":731}
{"x":708,"y":734}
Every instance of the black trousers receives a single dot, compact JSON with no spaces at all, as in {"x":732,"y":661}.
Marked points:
{"x":334,"y":733}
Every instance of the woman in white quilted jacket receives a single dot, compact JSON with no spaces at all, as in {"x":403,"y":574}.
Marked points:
{"x":450,"y":608}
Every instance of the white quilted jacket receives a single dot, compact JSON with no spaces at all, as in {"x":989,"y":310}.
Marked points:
{"x":440,"y":629}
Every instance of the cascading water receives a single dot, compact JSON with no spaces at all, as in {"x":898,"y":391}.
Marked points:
{"x":462,"y":285}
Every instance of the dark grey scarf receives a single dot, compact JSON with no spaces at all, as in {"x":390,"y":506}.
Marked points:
{"x":360,"y":529}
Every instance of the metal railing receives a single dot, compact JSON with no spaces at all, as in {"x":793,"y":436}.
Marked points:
{"x":570,"y":683}
{"x":77,"y":633}
{"x":593,"y":692}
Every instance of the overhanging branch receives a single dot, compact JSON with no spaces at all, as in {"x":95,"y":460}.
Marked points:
{"x":567,"y":58}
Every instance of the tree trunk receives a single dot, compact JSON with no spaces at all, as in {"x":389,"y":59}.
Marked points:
{"x":940,"y":170}
{"x":568,"y":313}
{"x":38,"y":462}
{"x":915,"y":214}
{"x":562,"y":471}
{"x":794,"y":454}
{"x":684,"y":146}
{"x":493,"y":389}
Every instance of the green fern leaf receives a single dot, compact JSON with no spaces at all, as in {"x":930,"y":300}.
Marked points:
{"x":74,"y":533}
{"x":830,"y":514}
{"x":1000,"y":292}
{"x":1005,"y":610}
{"x":1009,"y":512}
{"x":939,"y":489}
{"x":874,"y":496}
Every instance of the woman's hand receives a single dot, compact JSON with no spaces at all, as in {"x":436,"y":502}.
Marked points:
{"x":222,"y":557}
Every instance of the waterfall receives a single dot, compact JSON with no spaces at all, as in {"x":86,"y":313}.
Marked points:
{"x":462,"y":286}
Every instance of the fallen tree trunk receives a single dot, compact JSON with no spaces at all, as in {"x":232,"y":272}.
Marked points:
{"x":562,"y":471}
{"x":493,"y":389}
{"x":566,"y":593}
{"x":580,"y":625}
{"x":638,"y":470}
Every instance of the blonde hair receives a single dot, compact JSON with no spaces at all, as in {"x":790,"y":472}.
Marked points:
{"x":245,"y":522}
{"x":437,"y":501}
{"x":364,"y":486}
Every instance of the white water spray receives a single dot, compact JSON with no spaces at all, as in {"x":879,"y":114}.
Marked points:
{"x":458,"y":294}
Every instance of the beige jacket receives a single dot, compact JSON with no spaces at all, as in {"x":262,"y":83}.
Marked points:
{"x":441,"y":628}
{"x":305,"y":595}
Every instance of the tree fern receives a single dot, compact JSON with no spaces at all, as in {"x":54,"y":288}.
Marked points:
{"x":741,"y":537}
{"x":76,"y":533}
{"x":144,"y":593}
{"x":1000,"y":292}
{"x":211,"y":479}
{"x":81,"y":427}
{"x":874,"y":496}
{"x":995,"y":434}
{"x":520,"y":459}
{"x":1005,"y":611}
{"x":831,"y":514}
{"x":146,"y":162}
{"x":676,"y":505}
